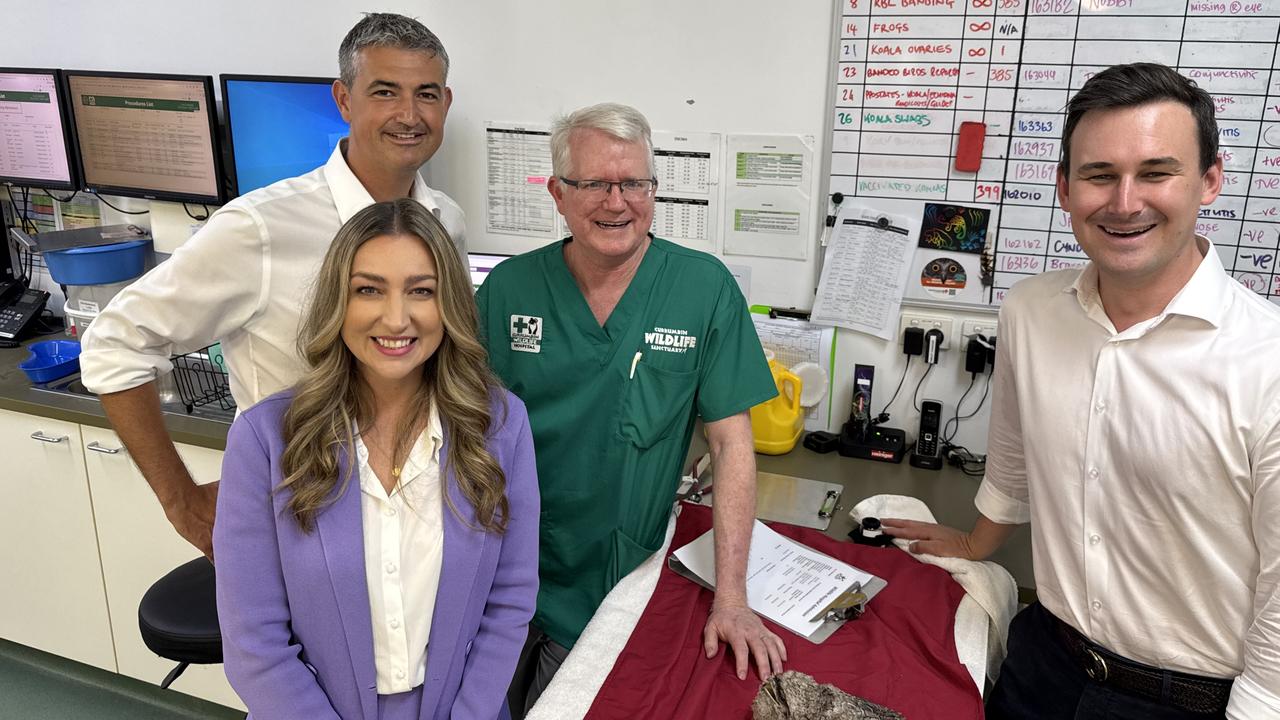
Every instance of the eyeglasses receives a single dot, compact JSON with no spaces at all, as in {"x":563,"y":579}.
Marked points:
{"x":600,"y":189}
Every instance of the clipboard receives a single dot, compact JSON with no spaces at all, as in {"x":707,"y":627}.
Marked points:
{"x":867,"y":590}
{"x":783,"y":498}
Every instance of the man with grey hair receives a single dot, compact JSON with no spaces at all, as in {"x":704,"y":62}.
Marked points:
{"x":617,"y":341}
{"x":242,"y":279}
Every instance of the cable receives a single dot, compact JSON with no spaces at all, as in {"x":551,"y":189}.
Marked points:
{"x":196,"y":217}
{"x":960,"y":457}
{"x":69,"y":198}
{"x":915,"y":396}
{"x":948,"y":434}
{"x":103,"y":200}
{"x":900,"y":381}
{"x":947,"y":431}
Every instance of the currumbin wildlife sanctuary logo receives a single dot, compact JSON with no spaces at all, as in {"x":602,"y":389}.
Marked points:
{"x":669,"y":340}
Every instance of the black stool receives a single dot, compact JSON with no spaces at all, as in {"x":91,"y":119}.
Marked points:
{"x":178,"y":617}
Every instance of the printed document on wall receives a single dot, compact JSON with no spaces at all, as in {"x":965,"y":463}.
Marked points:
{"x":794,"y":342}
{"x":767,"y":196}
{"x":518,"y":160}
{"x":865,"y":270}
{"x":685,"y":207}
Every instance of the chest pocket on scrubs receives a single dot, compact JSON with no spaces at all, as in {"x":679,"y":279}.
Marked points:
{"x":656,"y":401}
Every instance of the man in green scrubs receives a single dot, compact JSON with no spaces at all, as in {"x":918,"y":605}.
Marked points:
{"x":616,"y":341}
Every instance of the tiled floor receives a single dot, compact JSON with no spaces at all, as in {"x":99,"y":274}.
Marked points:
{"x":38,"y":686}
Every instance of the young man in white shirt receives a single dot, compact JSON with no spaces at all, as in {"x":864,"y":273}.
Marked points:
{"x":1136,"y":425}
{"x":243,"y":279}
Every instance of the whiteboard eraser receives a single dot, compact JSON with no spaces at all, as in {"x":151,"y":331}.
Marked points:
{"x":969,"y":146}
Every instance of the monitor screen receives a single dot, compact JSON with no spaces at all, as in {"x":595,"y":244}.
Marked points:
{"x":279,"y":127}
{"x":481,"y":264}
{"x":35,"y":147}
{"x":143,"y":135}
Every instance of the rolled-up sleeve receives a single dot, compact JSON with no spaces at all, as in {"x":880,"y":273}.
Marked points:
{"x":212,"y":286}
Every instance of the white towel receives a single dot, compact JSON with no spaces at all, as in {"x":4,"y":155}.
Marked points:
{"x":989,"y":584}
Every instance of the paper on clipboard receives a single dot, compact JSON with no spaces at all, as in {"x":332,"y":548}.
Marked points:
{"x":786,"y":582}
{"x":865,"y":271}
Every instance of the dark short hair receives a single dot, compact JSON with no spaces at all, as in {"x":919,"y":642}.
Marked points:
{"x":386,"y":30}
{"x":1139,"y":84}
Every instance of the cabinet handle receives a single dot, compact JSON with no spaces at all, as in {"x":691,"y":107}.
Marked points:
{"x":39,"y":435}
{"x":94,"y":446}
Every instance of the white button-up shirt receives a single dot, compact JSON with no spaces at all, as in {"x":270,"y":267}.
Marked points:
{"x":403,"y":550}
{"x":244,"y":280}
{"x":1148,"y":463}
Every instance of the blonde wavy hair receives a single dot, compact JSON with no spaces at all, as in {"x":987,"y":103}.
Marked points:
{"x":331,"y":399}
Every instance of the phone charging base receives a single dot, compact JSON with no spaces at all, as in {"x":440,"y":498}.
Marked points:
{"x":928,"y":462}
{"x":884,"y":444}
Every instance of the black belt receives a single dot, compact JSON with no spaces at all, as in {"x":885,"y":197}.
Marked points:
{"x":1194,"y":693}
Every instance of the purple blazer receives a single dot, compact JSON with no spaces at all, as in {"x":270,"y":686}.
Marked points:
{"x":297,"y":635}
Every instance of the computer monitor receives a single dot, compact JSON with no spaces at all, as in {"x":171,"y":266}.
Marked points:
{"x":35,"y":141}
{"x":146,"y":135}
{"x":481,"y":264}
{"x":278,"y":127}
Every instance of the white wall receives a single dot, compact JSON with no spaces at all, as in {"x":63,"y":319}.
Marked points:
{"x":753,"y":66}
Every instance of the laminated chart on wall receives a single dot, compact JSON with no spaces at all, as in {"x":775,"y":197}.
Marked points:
{"x":518,"y":165}
{"x":767,"y":195}
{"x":685,"y":206}
{"x":909,"y":72}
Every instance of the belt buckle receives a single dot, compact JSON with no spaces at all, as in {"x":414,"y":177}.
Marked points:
{"x":1097,"y":669}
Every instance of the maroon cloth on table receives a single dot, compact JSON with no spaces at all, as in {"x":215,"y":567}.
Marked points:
{"x":901,"y":653}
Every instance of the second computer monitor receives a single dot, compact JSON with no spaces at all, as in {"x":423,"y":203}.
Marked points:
{"x":279,"y":127}
{"x":147,"y":135}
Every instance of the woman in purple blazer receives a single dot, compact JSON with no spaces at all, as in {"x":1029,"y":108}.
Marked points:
{"x":376,"y":535}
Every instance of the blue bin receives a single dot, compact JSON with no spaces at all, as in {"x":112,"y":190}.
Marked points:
{"x":51,"y":359}
{"x":98,"y":265}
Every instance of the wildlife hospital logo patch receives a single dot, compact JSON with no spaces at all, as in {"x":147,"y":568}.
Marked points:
{"x":670,"y":340}
{"x":526,"y":333}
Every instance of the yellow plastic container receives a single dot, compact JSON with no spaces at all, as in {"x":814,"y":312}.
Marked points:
{"x":776,"y":424}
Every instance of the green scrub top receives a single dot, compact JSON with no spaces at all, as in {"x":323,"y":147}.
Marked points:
{"x":612,"y":408}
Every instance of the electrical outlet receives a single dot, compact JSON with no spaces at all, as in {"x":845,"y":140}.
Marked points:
{"x":986,"y":328}
{"x":927,"y":323}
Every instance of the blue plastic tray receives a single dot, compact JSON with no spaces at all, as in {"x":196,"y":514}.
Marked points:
{"x":51,"y":359}
{"x":98,"y":265}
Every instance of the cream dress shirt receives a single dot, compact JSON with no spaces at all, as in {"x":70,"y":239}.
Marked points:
{"x":403,"y":550}
{"x":1148,"y":463}
{"x":244,"y":280}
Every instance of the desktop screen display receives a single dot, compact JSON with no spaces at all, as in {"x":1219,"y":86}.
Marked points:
{"x":148,"y":136}
{"x":481,"y":264}
{"x":34,"y":145}
{"x":279,"y":127}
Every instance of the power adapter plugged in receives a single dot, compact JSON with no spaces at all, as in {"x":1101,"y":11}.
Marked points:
{"x":933,"y":345}
{"x":913,"y":341}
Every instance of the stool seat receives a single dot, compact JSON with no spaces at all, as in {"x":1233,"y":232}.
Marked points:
{"x":178,"y":615}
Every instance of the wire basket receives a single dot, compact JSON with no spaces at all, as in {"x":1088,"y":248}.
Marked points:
{"x":201,"y":378}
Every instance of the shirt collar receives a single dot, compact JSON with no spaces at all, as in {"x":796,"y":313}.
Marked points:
{"x":349,"y":194}
{"x":424,"y":453}
{"x":1204,"y":296}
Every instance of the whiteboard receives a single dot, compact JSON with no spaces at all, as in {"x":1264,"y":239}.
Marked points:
{"x":908,"y":72}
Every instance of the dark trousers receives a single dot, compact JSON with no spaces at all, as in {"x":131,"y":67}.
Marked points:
{"x":539,"y":661}
{"x":1040,"y":680}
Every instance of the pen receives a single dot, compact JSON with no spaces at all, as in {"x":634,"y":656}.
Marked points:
{"x":634,"y":361}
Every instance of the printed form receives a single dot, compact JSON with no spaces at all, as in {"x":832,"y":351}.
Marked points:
{"x":787,"y":582}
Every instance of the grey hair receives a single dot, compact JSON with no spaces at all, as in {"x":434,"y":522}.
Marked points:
{"x":386,"y":30}
{"x":620,"y":121}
